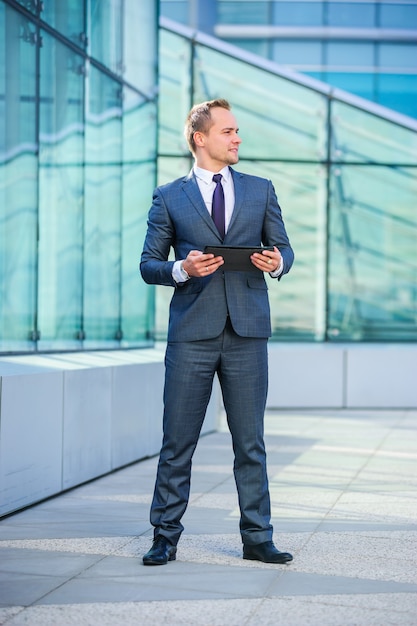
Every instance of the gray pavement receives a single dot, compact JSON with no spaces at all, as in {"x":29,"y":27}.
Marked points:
{"x":344,"y":496}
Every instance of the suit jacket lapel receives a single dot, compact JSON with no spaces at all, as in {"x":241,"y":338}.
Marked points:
{"x":239,"y":187}
{"x":192,"y":191}
{"x":190,"y":187}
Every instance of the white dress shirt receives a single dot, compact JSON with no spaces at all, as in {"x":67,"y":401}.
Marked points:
{"x":207,"y":186}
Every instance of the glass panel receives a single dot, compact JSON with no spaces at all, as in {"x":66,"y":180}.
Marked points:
{"x":242,"y":12}
{"x":397,"y":55}
{"x":361,"y":84}
{"x":171,"y":168}
{"x":364,"y":202}
{"x":67,"y":17}
{"x":66,"y":245}
{"x":301,"y":191}
{"x":30,"y":5}
{"x":139,"y":135}
{"x":297,"y":52}
{"x":175,"y":10}
{"x":278,"y":119}
{"x":397,"y":15}
{"x":399,"y":92}
{"x":348,"y":54}
{"x":61,"y":182}
{"x":298,"y":301}
{"x":297,"y":13}
{"x":140,"y":67}
{"x":372,"y":254}
{"x":18,"y":181}
{"x":175,"y":98}
{"x":317,"y":75}
{"x":351,"y":14}
{"x":105,"y":24}
{"x":260,"y":47}
{"x":102,"y":233}
{"x":362,"y":137}
{"x":168,"y":169}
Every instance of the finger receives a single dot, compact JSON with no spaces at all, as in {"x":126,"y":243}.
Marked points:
{"x":209,"y":257}
{"x":269,"y":259}
{"x":211,"y":265}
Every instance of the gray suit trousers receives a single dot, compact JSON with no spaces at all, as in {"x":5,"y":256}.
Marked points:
{"x":242,"y":368}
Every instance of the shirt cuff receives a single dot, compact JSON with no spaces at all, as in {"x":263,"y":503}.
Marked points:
{"x":178,"y":273}
{"x":276,"y":273}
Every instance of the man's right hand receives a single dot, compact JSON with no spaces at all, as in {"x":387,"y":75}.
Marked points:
{"x":199,"y":264}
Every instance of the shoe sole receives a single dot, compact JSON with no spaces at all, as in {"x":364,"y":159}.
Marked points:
{"x":172,"y":557}
{"x":254,"y":558}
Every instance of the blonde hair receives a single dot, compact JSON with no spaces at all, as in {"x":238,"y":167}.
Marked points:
{"x":199,"y":119}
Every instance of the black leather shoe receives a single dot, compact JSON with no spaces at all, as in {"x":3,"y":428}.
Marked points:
{"x":265,"y":552}
{"x":161,"y":552}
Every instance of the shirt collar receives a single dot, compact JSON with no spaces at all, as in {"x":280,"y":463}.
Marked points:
{"x":207,"y":177}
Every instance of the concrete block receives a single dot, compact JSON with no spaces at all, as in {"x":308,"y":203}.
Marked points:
{"x":87,"y":424}
{"x":305,"y":376}
{"x":31,"y":420}
{"x":136,"y":412}
{"x":381,"y":376}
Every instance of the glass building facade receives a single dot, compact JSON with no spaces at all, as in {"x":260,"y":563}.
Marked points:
{"x":345,"y":175}
{"x":366,"y":47}
{"x":78,"y":120}
{"x":90,"y":121}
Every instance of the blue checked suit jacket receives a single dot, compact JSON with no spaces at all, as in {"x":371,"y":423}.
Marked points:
{"x":178,"y":218}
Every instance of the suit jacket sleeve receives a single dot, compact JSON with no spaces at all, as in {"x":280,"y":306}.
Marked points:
{"x":274,"y":232}
{"x":155,"y":267}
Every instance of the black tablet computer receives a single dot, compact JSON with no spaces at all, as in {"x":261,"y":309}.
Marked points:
{"x":236,"y":258}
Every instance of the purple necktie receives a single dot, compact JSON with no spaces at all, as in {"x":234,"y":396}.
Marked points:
{"x":217,"y":208}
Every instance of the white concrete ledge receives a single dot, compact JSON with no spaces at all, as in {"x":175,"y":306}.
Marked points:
{"x":68,"y":418}
{"x":374,"y":376}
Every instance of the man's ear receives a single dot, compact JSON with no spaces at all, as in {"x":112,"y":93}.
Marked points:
{"x":199,"y":138}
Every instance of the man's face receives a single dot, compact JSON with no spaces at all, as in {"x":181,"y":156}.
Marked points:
{"x":220,"y":146}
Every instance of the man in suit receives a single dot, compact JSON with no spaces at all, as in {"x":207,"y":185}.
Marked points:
{"x":219,"y":323}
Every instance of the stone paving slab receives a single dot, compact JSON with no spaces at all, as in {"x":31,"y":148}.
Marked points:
{"x":344,"y":501}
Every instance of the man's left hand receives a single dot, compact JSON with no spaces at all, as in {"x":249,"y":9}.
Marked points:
{"x":268,"y":260}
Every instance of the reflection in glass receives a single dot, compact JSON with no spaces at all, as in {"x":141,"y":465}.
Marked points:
{"x":298,"y":301}
{"x":139,"y":66}
{"x":260,"y":47}
{"x":351,"y":14}
{"x":397,"y":55}
{"x":102,"y":219}
{"x":247,"y":12}
{"x":61,"y":180}
{"x":372,"y":253}
{"x":398,"y":91}
{"x":176,"y":10}
{"x":67,"y":17}
{"x":139,"y":173}
{"x":175,"y":97}
{"x":106,"y":28}
{"x":297,"y":53}
{"x":30,"y":5}
{"x":77,"y":169}
{"x":289,"y":119}
{"x":297,"y":13}
{"x":398,"y":15}
{"x":353,"y":225}
{"x":18,"y":182}
{"x":362,"y":137}
{"x":348,"y":54}
{"x":361,"y":83}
